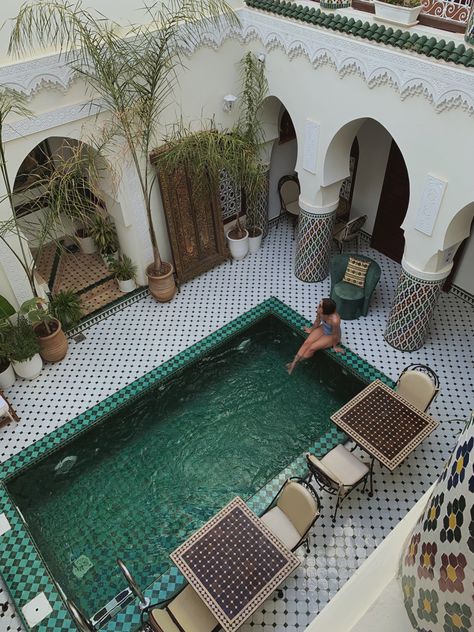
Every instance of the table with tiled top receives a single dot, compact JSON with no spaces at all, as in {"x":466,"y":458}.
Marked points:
{"x":384,"y":424}
{"x":234,"y":562}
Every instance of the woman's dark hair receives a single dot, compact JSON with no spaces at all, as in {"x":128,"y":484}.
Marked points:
{"x":329,"y":306}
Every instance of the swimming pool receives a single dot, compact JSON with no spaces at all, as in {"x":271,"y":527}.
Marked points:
{"x":162,"y":461}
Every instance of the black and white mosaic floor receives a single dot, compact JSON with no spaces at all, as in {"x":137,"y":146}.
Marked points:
{"x":135,"y":339}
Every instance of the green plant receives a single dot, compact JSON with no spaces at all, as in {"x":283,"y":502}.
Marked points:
{"x":37,"y":313}
{"x":66,"y":307}
{"x":102,"y":230}
{"x":20,"y":342}
{"x":123,"y":269}
{"x":404,"y":3}
{"x":131,"y":69}
{"x":6,"y":309}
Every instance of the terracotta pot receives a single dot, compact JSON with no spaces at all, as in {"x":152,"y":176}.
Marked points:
{"x":161,"y":287}
{"x":29,"y":369}
{"x":53,"y":348}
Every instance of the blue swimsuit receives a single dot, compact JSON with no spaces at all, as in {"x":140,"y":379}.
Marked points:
{"x":327,"y":328}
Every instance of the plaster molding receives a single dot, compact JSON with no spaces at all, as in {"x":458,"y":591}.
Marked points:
{"x":424,"y":275}
{"x":446,"y":86}
{"x":49,"y":120}
{"x":427,"y":212}
{"x":312,"y":209}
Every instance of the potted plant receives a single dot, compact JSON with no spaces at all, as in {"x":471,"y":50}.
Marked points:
{"x":105,"y":236}
{"x":53,"y":343}
{"x":66,"y":307}
{"x":404,"y":12}
{"x":124,"y":270}
{"x":85,"y":240}
{"x":21,"y":346}
{"x":7,"y":374}
{"x":133,"y":71}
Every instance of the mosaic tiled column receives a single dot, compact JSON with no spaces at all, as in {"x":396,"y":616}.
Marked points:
{"x":469,"y":34}
{"x":413,"y":306}
{"x":437,"y":565}
{"x":313,"y":248}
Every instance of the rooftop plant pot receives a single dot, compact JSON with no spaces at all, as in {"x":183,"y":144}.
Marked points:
{"x":29,"y":369}
{"x":53,"y":347}
{"x":7,"y":376}
{"x":162,"y":287}
{"x":86,"y":242}
{"x":255,"y":239}
{"x":238,"y":246}
{"x":397,"y":14}
{"x":126,"y":286}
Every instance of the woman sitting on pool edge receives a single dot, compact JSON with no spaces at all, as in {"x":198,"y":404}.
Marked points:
{"x":325,"y":333}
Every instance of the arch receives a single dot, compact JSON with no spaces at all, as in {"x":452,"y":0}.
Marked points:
{"x":459,"y":227}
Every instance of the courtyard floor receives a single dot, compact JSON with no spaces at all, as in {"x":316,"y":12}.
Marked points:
{"x":136,"y":338}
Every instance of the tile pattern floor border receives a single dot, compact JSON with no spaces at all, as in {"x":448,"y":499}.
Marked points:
{"x":133,"y":339}
{"x":17,"y":551}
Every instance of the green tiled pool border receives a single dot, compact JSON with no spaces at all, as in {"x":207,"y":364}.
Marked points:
{"x":22,"y":567}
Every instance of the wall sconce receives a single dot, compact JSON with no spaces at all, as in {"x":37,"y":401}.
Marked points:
{"x":228,"y":102}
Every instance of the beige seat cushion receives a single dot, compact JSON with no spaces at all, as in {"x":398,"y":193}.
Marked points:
{"x":347,"y":467}
{"x":191,"y":612}
{"x":324,"y":469}
{"x":160,"y":621}
{"x":417,"y":388}
{"x":281,"y":526}
{"x":299,"y":506}
{"x":293,"y":208}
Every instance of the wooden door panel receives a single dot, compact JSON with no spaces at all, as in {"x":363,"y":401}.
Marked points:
{"x":195,"y":226}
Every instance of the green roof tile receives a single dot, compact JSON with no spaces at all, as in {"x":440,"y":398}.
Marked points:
{"x":422,"y":45}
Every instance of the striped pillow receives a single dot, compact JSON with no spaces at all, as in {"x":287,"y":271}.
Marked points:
{"x":356,"y":271}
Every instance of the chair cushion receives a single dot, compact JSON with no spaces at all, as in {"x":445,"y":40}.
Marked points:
{"x":299,"y":505}
{"x":347,"y":467}
{"x":293,"y":208}
{"x":281,"y":526}
{"x":348,"y":291}
{"x":191,"y":612}
{"x":318,"y":464}
{"x":417,"y":388}
{"x":356,"y":271}
{"x":160,"y":621}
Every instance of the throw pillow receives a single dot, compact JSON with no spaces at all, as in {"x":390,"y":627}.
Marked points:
{"x":356,"y":271}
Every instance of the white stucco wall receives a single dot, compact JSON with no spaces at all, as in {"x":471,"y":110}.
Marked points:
{"x":374,"y":147}
{"x":464,"y":277}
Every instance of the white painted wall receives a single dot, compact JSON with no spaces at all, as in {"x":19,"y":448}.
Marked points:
{"x":464,"y":277}
{"x":374,"y":147}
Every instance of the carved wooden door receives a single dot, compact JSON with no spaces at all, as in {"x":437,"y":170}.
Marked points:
{"x":194,"y":224}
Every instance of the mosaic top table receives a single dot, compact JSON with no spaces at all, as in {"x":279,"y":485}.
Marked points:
{"x":234,"y":562}
{"x":384,"y":424}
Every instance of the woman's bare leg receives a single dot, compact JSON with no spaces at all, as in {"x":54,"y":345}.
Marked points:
{"x":309,"y":347}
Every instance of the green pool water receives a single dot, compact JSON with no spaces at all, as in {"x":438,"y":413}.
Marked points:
{"x":138,"y":483}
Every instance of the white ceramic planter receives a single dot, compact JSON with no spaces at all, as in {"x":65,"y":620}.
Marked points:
{"x":408,"y":16}
{"x":7,"y":377}
{"x":127,"y":286}
{"x":87,"y":245}
{"x":30,"y":369}
{"x":255,"y":242}
{"x":239,"y":248}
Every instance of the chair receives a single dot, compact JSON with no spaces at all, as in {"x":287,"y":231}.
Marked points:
{"x":185,"y":611}
{"x":6,"y":410}
{"x":338,"y":473}
{"x":419,"y":385}
{"x":345,"y":232}
{"x":352,"y":301}
{"x":292,"y":513}
{"x":289,"y":193}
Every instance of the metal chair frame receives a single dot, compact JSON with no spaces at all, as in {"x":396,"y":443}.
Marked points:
{"x":350,"y":233}
{"x":281,"y":182}
{"x":326,"y":484}
{"x":307,"y":485}
{"x":422,"y":368}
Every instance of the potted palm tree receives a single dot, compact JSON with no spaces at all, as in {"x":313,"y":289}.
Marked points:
{"x":124,"y":271}
{"x":21,"y":346}
{"x":53,"y":343}
{"x":132,"y":70}
{"x":7,"y":374}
